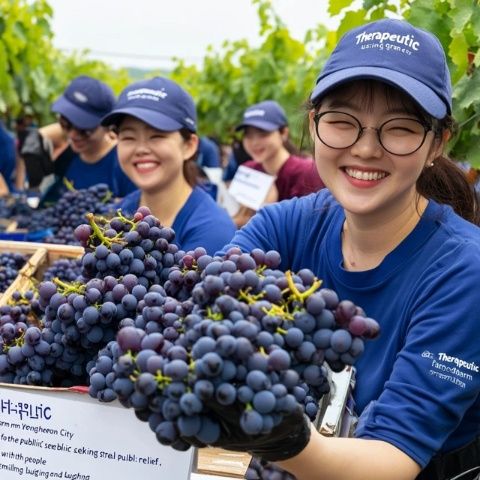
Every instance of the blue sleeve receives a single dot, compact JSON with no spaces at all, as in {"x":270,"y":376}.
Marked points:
{"x":7,"y":157}
{"x":270,"y":229}
{"x":208,"y":154}
{"x":130,"y":203}
{"x":211,"y":237}
{"x":437,"y":370}
{"x":230,"y":169}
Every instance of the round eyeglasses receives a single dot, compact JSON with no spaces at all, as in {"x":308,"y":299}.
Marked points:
{"x":398,"y":136}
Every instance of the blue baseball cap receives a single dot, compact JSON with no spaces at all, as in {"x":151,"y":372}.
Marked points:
{"x":85,"y":102}
{"x":159,"y":102}
{"x":267,"y":115}
{"x":394,"y":52}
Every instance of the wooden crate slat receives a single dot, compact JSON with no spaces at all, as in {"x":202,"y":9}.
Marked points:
{"x":42,"y":255}
{"x":217,"y":461}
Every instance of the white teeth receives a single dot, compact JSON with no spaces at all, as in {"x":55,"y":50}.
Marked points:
{"x":362,"y":175}
{"x":145,"y":165}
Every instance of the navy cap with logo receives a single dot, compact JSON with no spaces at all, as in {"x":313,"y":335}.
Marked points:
{"x":267,"y":115}
{"x":159,"y":102}
{"x":85,"y":102}
{"x":394,"y":52}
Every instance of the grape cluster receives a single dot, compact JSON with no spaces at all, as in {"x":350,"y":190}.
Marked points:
{"x":120,"y":246}
{"x":180,"y":337}
{"x":18,"y":325}
{"x":259,"y":469}
{"x":66,"y":269}
{"x":10,"y":264}
{"x":238,"y":334}
{"x":69,"y":211}
{"x":59,"y":221}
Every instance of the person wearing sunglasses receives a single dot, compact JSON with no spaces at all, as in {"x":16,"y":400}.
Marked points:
{"x":396,"y":232}
{"x":85,"y":152}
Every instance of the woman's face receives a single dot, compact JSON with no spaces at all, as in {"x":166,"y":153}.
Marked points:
{"x":365,"y":178}
{"x":152,"y":159}
{"x":262,"y":146}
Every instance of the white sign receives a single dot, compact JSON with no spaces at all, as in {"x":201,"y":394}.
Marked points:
{"x":250,"y":187}
{"x":214,"y":174}
{"x":51,"y":434}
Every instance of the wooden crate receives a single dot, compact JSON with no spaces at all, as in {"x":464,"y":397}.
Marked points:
{"x":216,"y":461}
{"x":42,"y":255}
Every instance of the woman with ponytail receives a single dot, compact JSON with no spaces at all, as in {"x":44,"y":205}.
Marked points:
{"x":395,"y":232}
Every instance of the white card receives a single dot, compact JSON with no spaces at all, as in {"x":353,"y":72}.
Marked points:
{"x":250,"y":187}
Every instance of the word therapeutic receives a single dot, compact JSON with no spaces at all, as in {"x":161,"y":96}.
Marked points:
{"x":407,"y":40}
{"x":459,"y":362}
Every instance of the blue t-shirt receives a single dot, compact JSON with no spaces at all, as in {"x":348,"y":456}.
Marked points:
{"x":107,"y":170}
{"x":208,"y":153}
{"x":420,"y":378}
{"x":199,"y":223}
{"x":7,"y":156}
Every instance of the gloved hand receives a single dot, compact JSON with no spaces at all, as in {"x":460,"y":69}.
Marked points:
{"x":286,"y":440}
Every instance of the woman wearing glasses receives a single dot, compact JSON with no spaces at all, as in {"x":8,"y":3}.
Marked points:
{"x":394,"y":232}
{"x":85,"y":152}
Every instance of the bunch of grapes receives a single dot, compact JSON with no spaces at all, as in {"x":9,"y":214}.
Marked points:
{"x":58,"y":221}
{"x":181,"y":337}
{"x":121,"y":246}
{"x":66,"y":269}
{"x":252,"y":339}
{"x":70,"y":210}
{"x":259,"y":469}
{"x":10,"y":264}
{"x":20,"y":346}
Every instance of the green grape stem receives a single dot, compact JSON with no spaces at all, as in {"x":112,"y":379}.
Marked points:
{"x":216,"y":316}
{"x":250,"y":299}
{"x":67,"y":288}
{"x":68,"y":184}
{"x":296,"y":293}
{"x":97,"y":232}
{"x":132,"y":224}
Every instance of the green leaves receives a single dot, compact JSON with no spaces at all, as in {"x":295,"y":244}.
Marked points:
{"x":457,"y":25}
{"x":32,"y":72}
{"x":336,"y":6}
{"x":238,"y":75}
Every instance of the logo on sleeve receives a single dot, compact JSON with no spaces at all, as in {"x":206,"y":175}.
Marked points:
{"x":451,"y":368}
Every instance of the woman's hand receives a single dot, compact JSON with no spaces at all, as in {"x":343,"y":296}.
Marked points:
{"x":286,"y":440}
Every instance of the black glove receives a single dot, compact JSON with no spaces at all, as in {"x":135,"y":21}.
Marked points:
{"x":286,"y":440}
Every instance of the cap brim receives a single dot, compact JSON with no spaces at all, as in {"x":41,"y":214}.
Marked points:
{"x":74,"y":114}
{"x":422,"y":94}
{"x":155,"y":119}
{"x":262,"y":125}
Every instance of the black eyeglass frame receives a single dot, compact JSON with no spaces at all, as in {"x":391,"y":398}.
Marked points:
{"x":427,"y":128}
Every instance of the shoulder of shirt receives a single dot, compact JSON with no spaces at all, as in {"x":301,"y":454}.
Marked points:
{"x":321,"y":200}
{"x":128,"y":200}
{"x":200,"y":197}
{"x":457,"y":228}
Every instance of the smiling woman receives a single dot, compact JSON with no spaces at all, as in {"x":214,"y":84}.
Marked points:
{"x":157,"y":144}
{"x":394,"y":232}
